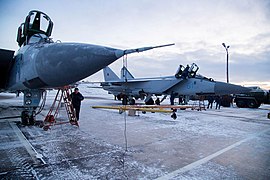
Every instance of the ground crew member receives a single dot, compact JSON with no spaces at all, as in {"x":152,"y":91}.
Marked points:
{"x":180,"y":100}
{"x":210,"y":102}
{"x":218,"y":102}
{"x":157,"y":101}
{"x":172,"y":97}
{"x":76,"y":98}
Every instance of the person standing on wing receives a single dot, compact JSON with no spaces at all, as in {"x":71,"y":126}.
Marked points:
{"x":76,"y":98}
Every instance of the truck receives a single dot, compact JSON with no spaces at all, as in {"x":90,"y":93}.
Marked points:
{"x":252,"y":99}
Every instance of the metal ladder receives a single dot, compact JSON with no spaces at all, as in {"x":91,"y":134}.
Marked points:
{"x":50,"y":119}
{"x":69,"y":107}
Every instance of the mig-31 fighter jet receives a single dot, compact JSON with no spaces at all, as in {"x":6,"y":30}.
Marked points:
{"x":186,"y":81}
{"x":41,"y":63}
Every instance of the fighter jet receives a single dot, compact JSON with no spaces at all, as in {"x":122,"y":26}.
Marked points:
{"x":40,"y":63}
{"x":184,"y":82}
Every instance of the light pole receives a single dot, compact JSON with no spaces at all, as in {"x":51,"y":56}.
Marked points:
{"x":226,"y":48}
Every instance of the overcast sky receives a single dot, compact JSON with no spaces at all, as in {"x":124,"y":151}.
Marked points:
{"x":198,"y":28}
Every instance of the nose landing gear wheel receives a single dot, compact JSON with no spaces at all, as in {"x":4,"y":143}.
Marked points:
{"x":32,"y":119}
{"x":25,"y":118}
{"x":174,"y":116}
{"x":28,"y":119}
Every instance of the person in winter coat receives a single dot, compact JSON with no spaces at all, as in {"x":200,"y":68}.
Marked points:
{"x":210,"y":102}
{"x":157,"y":102}
{"x":172,"y":97}
{"x":76,"y":98}
{"x":218,"y":101}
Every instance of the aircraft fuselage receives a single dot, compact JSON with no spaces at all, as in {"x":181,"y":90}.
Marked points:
{"x":191,"y":84}
{"x":46,"y":65}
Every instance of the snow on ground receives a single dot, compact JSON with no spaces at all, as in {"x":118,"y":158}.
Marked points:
{"x":157,"y":145}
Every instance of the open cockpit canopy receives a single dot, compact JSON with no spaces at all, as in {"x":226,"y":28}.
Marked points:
{"x":35,"y":23}
{"x":187,"y":72}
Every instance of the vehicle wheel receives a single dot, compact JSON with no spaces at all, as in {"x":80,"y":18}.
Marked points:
{"x":252,"y":104}
{"x":240,"y":104}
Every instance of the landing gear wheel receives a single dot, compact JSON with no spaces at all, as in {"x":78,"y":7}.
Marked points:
{"x":46,"y":128}
{"x":32,"y":119}
{"x":132,"y":102}
{"x":173,"y":115}
{"x":25,"y":118}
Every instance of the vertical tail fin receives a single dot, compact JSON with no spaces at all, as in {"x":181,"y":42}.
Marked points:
{"x":125,"y":74}
{"x":109,"y":75}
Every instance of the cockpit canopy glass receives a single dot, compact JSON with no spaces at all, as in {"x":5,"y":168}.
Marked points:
{"x":35,"y":23}
{"x":42,"y":25}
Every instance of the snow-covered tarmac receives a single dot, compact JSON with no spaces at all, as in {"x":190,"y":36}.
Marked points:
{"x":229,"y":143}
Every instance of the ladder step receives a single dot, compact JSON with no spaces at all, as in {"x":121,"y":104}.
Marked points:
{"x":63,"y":95}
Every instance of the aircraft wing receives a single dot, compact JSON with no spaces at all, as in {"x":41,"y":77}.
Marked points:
{"x":151,"y":86}
{"x":137,"y":80}
{"x":120,"y":83}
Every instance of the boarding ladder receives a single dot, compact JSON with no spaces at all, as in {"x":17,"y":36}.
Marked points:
{"x":62,"y":94}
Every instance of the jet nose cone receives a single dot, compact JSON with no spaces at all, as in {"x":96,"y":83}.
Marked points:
{"x":61,"y":64}
{"x":226,"y":88}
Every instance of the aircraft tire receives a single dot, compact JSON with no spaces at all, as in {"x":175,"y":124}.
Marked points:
{"x":32,"y":120}
{"x":174,"y":116}
{"x":132,"y":102}
{"x":25,"y":118}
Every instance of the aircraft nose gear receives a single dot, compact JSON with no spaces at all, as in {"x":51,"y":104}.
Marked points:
{"x":28,"y":118}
